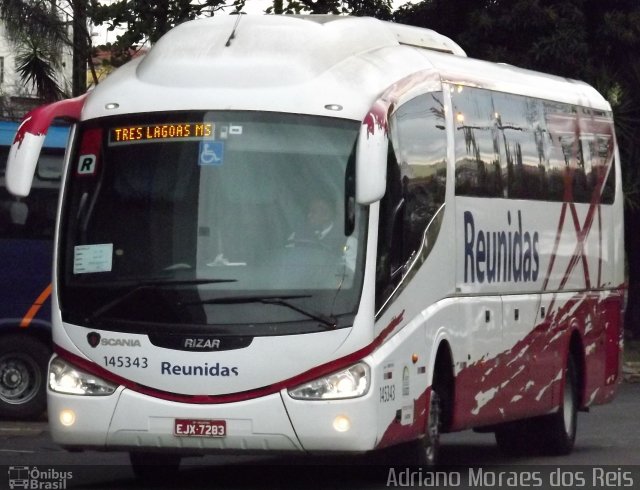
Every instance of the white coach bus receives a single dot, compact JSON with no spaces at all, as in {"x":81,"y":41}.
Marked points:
{"x":329,"y":234}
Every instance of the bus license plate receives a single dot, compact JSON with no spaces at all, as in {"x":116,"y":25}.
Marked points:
{"x":200,"y":428}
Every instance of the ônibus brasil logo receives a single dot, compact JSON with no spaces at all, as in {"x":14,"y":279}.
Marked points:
{"x":34,"y":478}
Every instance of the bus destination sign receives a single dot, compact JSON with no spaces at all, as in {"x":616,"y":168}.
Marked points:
{"x":167,"y":131}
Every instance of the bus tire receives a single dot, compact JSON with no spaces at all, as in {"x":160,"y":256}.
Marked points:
{"x":433,"y":430}
{"x":154,"y":467}
{"x":419,"y":452}
{"x":559,"y":430}
{"x":23,"y":374}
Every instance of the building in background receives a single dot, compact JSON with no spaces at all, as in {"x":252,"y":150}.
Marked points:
{"x":105,"y":60}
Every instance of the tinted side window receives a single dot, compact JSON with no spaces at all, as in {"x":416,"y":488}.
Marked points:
{"x":567,"y":178}
{"x":526,"y":148}
{"x":521,"y":138}
{"x":419,"y":140}
{"x":560,"y":128}
{"x":416,"y":180}
{"x":477,"y":142}
{"x":599,"y":154}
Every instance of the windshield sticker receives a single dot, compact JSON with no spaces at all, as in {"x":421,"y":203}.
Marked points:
{"x":211,"y":153}
{"x":92,"y":258}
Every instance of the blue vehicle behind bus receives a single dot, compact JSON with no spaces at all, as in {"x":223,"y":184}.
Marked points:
{"x":26,"y":246}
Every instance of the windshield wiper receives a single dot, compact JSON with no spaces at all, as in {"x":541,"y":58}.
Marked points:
{"x":156,"y":284}
{"x":328,"y":321}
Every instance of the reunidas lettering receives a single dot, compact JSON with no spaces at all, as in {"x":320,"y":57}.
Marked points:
{"x":500,"y":256}
{"x":197,"y":370}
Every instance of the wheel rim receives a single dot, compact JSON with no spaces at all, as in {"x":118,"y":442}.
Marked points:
{"x":432,"y":439}
{"x":568,"y":405}
{"x":20,"y":378}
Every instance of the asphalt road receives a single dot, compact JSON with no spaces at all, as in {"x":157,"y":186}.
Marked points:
{"x":608,"y":438}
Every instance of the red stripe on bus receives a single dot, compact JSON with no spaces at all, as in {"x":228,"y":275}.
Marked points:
{"x":35,"y":307}
{"x":300,"y":379}
{"x":37,"y":121}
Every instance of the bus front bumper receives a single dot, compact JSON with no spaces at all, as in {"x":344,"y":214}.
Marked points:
{"x":127,"y":420}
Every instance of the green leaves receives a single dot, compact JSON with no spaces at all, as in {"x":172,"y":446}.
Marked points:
{"x":39,"y":34}
{"x":33,"y":19}
{"x":148,"y":21}
{"x":35,"y":64}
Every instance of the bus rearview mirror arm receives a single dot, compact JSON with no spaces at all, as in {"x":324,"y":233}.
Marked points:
{"x":29,"y":138}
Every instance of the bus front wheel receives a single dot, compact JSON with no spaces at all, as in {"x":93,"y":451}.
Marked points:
{"x":424,"y":451}
{"x":434,"y":424}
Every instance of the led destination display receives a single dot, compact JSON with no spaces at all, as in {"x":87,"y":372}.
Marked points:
{"x":153,"y":132}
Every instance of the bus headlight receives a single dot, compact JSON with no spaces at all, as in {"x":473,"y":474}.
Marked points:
{"x":66,"y":378}
{"x":348,"y":383}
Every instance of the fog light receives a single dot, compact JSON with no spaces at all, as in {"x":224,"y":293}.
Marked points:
{"x":341,"y":423}
{"x":67,"y":417}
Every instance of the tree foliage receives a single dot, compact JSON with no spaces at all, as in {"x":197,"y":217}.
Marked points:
{"x":148,"y":21}
{"x":35,"y":19}
{"x":35,"y":66}
{"x":592,"y":40}
{"x":380,"y":9}
{"x":39,"y":34}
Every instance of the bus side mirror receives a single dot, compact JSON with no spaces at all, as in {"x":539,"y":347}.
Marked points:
{"x":371,"y":163}
{"x":27,"y":144}
{"x":21,"y":163}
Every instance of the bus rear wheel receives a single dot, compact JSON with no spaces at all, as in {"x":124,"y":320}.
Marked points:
{"x":23,"y":373}
{"x":553,"y":434}
{"x":559,"y":430}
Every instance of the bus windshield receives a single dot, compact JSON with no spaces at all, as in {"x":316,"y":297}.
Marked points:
{"x":232,"y":222}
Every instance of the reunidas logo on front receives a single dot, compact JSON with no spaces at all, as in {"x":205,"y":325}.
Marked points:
{"x":33,"y":478}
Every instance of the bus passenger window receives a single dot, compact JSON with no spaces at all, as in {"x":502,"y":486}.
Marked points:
{"x":522,"y":144}
{"x":601,"y":151}
{"x":478,"y":142}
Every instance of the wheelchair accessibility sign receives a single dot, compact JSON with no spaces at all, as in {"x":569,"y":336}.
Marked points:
{"x":211,"y":153}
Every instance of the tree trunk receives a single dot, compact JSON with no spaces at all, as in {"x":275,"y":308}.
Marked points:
{"x":80,"y":48}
